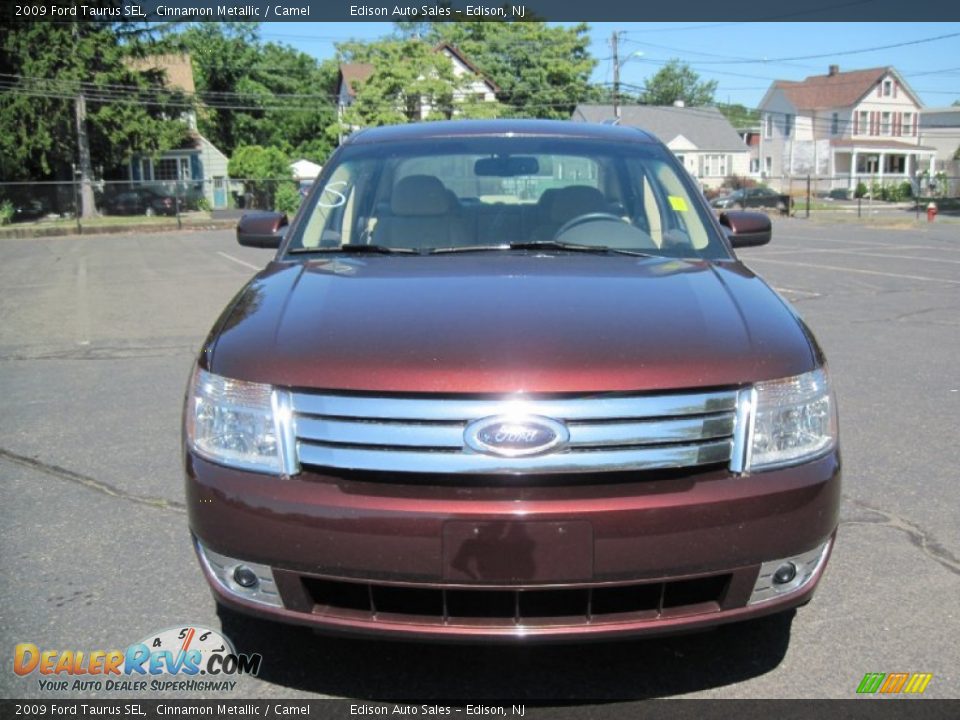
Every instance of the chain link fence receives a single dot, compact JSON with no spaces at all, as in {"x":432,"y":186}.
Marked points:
{"x":851,"y":195}
{"x":79,"y":206}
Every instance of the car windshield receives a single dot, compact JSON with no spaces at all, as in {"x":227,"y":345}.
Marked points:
{"x":499,"y":193}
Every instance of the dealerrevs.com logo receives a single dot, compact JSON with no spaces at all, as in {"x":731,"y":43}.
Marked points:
{"x":176,"y":659}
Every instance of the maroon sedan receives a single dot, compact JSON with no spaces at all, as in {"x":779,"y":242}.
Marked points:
{"x":508,"y":380}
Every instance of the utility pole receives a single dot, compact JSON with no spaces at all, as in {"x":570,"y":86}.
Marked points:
{"x":87,"y":202}
{"x":86,"y":208}
{"x":614,"y":37}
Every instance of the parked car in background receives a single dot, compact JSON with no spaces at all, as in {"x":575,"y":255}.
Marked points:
{"x":508,"y":380}
{"x":755,"y":197}
{"x":140,"y":201}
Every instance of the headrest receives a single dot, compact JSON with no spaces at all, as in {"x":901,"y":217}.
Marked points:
{"x":575,"y":200}
{"x":420,"y":195}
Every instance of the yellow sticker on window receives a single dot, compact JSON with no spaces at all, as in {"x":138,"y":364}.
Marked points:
{"x":677,"y":203}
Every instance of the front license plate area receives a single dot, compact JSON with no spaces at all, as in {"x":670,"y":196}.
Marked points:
{"x":517,"y":552}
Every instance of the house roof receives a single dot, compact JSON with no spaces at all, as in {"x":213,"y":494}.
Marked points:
{"x":705,"y":127}
{"x":177,"y":69}
{"x":351,"y":73}
{"x":948,"y":117}
{"x":358,"y":72}
{"x":894,"y":145}
{"x":455,"y":51}
{"x":836,"y":89}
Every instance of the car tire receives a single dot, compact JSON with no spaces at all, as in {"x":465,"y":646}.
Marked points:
{"x":782,"y":208}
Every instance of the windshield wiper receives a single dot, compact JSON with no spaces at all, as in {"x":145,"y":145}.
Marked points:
{"x":573,"y":247}
{"x":355,"y":248}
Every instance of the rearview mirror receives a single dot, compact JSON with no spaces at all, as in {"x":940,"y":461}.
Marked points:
{"x":262,"y":229}
{"x":506,"y":166}
{"x":746,"y":229}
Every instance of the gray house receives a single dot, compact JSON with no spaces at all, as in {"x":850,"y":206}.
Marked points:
{"x":197,"y":166}
{"x":701,"y":137}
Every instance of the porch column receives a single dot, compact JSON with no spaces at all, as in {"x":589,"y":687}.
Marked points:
{"x":933,"y":167}
{"x":880,"y":163}
{"x":853,"y":171}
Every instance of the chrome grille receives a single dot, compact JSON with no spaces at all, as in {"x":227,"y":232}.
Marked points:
{"x":426,"y":434}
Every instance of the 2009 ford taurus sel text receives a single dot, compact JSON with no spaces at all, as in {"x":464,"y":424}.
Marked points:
{"x":508,"y":380}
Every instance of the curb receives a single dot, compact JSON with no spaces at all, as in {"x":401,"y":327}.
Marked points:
{"x":63,"y":231}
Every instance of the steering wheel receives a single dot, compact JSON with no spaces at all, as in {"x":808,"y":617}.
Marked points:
{"x":585,"y":218}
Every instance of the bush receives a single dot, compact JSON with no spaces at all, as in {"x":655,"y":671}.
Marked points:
{"x":204,"y":204}
{"x":6,"y":212}
{"x":861,"y":190}
{"x":287,"y":198}
{"x":739,"y":182}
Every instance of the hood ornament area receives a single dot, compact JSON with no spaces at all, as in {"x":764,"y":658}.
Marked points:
{"x":515,"y":435}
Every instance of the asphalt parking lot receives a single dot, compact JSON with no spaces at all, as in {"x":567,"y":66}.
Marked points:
{"x":96,"y":341}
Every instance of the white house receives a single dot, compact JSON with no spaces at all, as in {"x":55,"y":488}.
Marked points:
{"x":479,"y":87}
{"x":848,"y":127}
{"x":701,"y":137}
{"x":304,"y":169}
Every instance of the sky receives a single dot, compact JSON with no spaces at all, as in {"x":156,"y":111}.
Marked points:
{"x":763,"y":51}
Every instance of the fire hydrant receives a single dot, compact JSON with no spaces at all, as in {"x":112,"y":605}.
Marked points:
{"x":931,"y":212}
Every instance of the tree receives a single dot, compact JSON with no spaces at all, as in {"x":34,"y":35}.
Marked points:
{"x":677,"y":81}
{"x":740,"y":116}
{"x":262,"y":170}
{"x":255,"y":93}
{"x":61,"y":77}
{"x":542,"y":71}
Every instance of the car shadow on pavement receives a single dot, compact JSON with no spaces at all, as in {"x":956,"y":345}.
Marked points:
{"x":298,"y":658}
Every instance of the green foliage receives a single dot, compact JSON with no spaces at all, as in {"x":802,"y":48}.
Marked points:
{"x":203,"y":204}
{"x":861,"y":190}
{"x":740,"y":116}
{"x":128,"y":112}
{"x":6,"y":212}
{"x":408,"y":76}
{"x":542,"y":71}
{"x":262,"y":170}
{"x":287,"y":199}
{"x":267,"y":93}
{"x":677,"y":81}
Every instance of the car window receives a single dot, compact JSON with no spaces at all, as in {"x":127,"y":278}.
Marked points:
{"x":493,"y":191}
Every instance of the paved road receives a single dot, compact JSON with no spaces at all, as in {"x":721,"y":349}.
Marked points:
{"x":96,"y":341}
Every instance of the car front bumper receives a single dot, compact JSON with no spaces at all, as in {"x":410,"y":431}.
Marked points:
{"x":668,"y":552}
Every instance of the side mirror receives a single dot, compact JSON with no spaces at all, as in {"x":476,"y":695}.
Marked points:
{"x":262,"y":229}
{"x":746,"y":229}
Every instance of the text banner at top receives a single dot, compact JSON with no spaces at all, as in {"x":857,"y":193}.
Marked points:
{"x":463,"y":10}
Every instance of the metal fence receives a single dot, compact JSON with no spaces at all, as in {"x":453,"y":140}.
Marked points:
{"x":76,"y":207}
{"x":106,"y":202}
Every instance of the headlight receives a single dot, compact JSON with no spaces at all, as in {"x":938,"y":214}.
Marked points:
{"x":240,"y":424}
{"x":793,"y":420}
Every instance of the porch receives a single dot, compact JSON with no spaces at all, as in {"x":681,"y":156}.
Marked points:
{"x":879,"y":162}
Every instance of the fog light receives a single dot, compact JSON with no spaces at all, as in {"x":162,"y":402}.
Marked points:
{"x":784,"y":574}
{"x":778,"y":578}
{"x":243,"y":579}
{"x":244,"y":576}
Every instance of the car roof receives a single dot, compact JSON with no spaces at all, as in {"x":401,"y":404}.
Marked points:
{"x":500,"y":128}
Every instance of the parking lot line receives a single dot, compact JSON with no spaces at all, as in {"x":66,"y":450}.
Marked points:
{"x":861,"y":253}
{"x":854,"y":270}
{"x":238,"y":261}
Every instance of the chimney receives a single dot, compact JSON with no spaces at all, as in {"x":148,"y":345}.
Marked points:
{"x":834,"y":70}
{"x":678,"y":103}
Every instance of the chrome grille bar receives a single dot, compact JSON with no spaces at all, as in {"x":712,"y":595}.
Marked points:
{"x":388,"y":460}
{"x":446,"y":408}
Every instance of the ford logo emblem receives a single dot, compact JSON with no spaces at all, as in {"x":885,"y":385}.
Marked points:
{"x":515,"y":435}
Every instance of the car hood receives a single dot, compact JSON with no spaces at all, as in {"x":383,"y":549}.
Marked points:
{"x":507,"y":323}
